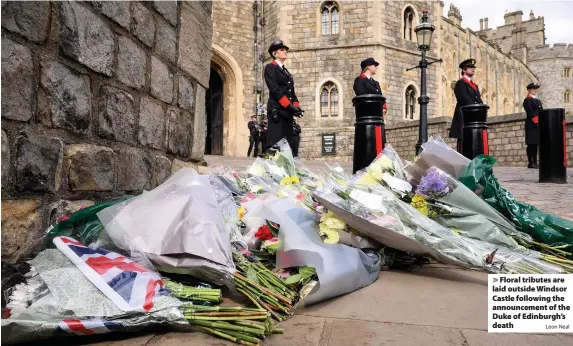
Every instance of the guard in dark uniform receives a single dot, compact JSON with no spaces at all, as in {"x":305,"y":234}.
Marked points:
{"x":532,"y":107}
{"x":467,"y":93}
{"x":296,"y":130}
{"x":283,"y":104}
{"x":254,"y":136}
{"x":365,"y":84}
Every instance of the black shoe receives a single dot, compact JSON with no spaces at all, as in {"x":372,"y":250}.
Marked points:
{"x":530,"y":165}
{"x":535,"y":165}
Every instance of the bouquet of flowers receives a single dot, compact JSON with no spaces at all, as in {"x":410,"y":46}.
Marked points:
{"x":385,"y":218}
{"x":454,"y":206}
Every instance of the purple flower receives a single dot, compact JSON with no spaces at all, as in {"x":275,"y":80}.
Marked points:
{"x":434,"y":184}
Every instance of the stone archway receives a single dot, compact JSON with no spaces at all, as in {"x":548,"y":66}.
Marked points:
{"x":235,"y":132}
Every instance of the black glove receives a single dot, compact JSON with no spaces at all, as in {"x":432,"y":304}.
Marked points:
{"x":294,"y":110}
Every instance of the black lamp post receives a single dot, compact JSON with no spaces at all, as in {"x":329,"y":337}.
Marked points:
{"x":424,"y":33}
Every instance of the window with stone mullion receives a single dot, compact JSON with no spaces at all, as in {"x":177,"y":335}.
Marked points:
{"x":324,"y":103}
{"x":325,"y":21}
{"x":334,"y":21}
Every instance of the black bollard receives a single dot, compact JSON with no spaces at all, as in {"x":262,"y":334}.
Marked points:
{"x":474,"y":130}
{"x":368,"y":129}
{"x":552,"y":146}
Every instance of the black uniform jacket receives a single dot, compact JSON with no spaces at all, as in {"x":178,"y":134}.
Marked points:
{"x":281,"y":95}
{"x":281,"y":87}
{"x":467,"y":93}
{"x":253,"y":131}
{"x":364,"y":85}
{"x":532,"y":107}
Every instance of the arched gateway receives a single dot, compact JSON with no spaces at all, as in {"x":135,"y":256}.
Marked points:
{"x":226,"y":124}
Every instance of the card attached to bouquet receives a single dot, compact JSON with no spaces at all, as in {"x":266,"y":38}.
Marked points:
{"x":530,"y":303}
{"x":130,"y":286}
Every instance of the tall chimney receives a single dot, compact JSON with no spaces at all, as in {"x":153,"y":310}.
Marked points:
{"x":485,"y":24}
{"x":481,"y":24}
{"x":531,"y":15}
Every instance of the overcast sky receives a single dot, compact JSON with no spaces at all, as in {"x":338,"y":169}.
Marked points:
{"x":558,"y":15}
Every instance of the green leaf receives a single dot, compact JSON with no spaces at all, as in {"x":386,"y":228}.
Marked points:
{"x":273,"y":227}
{"x":293,"y":279}
{"x":252,"y":275}
{"x":306,"y":271}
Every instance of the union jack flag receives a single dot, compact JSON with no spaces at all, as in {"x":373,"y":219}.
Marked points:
{"x":132,"y":287}
{"x":88,"y":327}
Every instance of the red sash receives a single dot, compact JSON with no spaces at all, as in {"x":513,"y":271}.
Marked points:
{"x":471,"y":84}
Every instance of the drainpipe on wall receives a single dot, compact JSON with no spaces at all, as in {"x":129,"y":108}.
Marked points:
{"x":255,"y":55}
{"x":261,"y":60}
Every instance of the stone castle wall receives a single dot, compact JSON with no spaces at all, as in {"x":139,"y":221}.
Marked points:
{"x":501,"y":78}
{"x":505,"y":133}
{"x":549,"y":63}
{"x":99,"y":100}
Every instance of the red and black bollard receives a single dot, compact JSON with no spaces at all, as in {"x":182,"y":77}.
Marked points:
{"x":474,"y":130}
{"x":552,"y":146}
{"x":368,"y":129}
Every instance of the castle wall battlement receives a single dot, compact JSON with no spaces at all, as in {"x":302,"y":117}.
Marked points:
{"x":559,"y":50}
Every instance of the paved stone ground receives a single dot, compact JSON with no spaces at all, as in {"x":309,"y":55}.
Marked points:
{"x":435,"y":305}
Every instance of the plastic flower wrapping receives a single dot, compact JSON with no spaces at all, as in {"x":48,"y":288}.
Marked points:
{"x":279,"y":234}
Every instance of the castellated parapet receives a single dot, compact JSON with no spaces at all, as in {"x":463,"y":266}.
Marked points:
{"x":559,"y":50}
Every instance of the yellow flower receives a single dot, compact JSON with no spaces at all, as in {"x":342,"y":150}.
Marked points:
{"x":419,"y":202}
{"x":368,"y":179}
{"x":241,"y":212}
{"x":329,"y":226}
{"x":290,"y":181}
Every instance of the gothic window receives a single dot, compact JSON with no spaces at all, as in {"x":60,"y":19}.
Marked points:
{"x":324,"y":22}
{"x":330,"y":18}
{"x":410,"y":98}
{"x":329,"y":100}
{"x":567,"y":96}
{"x":567,"y":72}
{"x":408,"y":23}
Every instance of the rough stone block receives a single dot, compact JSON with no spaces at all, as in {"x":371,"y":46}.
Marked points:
{"x":21,"y":228}
{"x":63,"y":209}
{"x":116,"y":10}
{"x":177,"y":164}
{"x":161,"y":170}
{"x":86,"y":38}
{"x":90,"y":167}
{"x":133,"y":170}
{"x":165,"y":45}
{"x":18,"y":81}
{"x":131,"y":61}
{"x":186,"y":93}
{"x":199,"y":130}
{"x":161,"y":80}
{"x":5,"y":159}
{"x":195,"y":42}
{"x":179,"y":131}
{"x":30,"y":19}
{"x":117,"y":115}
{"x":168,"y":10}
{"x":151,"y":123}
{"x":65,"y":98}
{"x":38,"y":163}
{"x":143,"y":25}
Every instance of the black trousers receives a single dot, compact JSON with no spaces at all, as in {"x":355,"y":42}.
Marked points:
{"x":296,"y":143}
{"x":253,"y":142}
{"x":531,"y":153}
